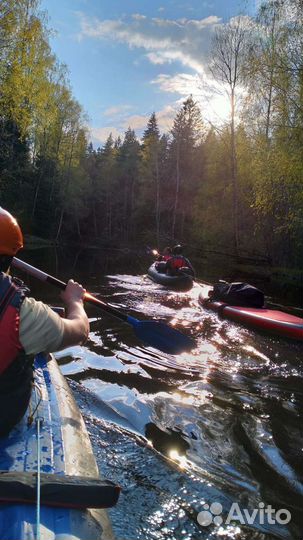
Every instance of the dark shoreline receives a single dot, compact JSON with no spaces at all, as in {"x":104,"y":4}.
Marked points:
{"x":279,"y":283}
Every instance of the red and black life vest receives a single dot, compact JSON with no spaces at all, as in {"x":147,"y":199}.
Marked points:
{"x":11,"y":298}
{"x":16,"y":368}
{"x":177,"y":261}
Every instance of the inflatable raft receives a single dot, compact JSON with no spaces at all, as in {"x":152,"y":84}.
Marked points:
{"x":181,"y":282}
{"x":267,"y":320}
{"x":54,"y":450}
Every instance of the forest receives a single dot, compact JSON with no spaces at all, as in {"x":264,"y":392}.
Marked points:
{"x":236,"y":186}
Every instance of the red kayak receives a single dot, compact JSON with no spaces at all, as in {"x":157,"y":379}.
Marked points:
{"x":268,"y":320}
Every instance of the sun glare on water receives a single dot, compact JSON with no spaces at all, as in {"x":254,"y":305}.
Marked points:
{"x":178,"y":458}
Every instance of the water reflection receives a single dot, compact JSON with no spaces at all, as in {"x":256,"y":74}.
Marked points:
{"x":223,"y":424}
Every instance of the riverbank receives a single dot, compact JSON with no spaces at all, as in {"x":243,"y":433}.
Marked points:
{"x":279,"y":282}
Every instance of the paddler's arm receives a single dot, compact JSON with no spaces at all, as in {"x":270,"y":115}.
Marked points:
{"x":76,"y":324}
{"x":41,"y":329}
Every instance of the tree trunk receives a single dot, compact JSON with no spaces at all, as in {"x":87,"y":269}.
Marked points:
{"x":78,"y":227}
{"x":271,"y":78}
{"x":132,"y":198}
{"x":157,"y":203}
{"x":95,"y":220}
{"x":269,"y":104}
{"x":38,"y":183}
{"x":176,"y":203}
{"x":56,"y":159}
{"x":109,"y":214}
{"x":67,"y":182}
{"x":182,"y":225}
{"x":234,"y":176}
{"x":60,"y":224}
{"x":36,"y":194}
{"x":125,"y":212}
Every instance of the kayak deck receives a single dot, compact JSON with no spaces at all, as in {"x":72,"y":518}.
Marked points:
{"x":267,"y":320}
{"x":182,"y":282}
{"x":65,"y":450}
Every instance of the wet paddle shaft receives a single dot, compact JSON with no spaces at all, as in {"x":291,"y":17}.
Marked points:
{"x":156,"y":334}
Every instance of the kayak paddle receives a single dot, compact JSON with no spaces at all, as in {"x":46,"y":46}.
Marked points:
{"x":156,"y":334}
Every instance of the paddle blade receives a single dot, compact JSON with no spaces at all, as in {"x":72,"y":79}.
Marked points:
{"x":163,"y":337}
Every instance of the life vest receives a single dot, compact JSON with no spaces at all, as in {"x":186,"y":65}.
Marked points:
{"x":11,"y":298}
{"x":16,"y":368}
{"x":177,"y":261}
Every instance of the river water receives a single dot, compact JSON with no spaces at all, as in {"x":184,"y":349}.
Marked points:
{"x":217,"y":431}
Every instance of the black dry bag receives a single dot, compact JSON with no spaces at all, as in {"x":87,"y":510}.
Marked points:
{"x":238,"y":294}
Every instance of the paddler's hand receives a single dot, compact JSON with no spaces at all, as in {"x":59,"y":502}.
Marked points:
{"x":76,"y":324}
{"x":74,"y":292}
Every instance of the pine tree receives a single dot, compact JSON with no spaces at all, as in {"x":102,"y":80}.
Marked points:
{"x":151,"y":173}
{"x":128,"y":173}
{"x":187,"y":133}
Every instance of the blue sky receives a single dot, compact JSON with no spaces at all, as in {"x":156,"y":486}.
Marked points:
{"x":128,"y":58}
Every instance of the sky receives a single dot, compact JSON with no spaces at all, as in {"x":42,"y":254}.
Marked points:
{"x":129,"y":58}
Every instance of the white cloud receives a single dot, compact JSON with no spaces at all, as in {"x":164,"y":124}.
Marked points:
{"x":100,"y":135}
{"x":213,"y":104}
{"x":137,"y":122}
{"x":167,"y":57}
{"x":165,"y":118}
{"x":185,"y":40}
{"x":207,"y":93}
{"x":117,"y":110}
{"x":164,"y":41}
{"x":138,"y":17}
{"x":156,"y":58}
{"x":182,"y":83}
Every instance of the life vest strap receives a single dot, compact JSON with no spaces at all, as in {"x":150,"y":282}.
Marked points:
{"x":4,"y":302}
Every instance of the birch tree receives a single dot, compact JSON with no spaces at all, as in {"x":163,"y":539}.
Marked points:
{"x":227,"y":56}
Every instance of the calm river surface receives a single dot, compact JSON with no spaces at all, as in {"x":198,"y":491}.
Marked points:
{"x":220,"y":426}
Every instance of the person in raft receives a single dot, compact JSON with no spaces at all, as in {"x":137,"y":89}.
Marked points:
{"x":177,"y":262}
{"x":167,"y":254}
{"x":162,"y":260}
{"x":28,"y":327}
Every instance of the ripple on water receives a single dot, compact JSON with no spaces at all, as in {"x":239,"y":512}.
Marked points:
{"x":230,"y":415}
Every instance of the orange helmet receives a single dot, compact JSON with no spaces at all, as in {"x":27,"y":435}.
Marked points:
{"x":11,"y":239}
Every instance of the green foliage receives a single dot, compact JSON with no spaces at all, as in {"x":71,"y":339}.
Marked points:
{"x":193,"y":185}
{"x":15,"y":167}
{"x":185,"y":164}
{"x":25,"y":62}
{"x":151,"y":177}
{"x":213,"y":204}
